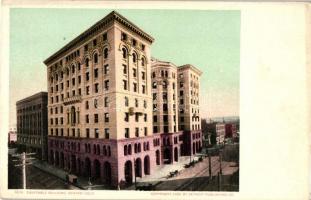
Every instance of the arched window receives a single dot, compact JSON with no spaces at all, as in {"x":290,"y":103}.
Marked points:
{"x":73,"y":115}
{"x":134,"y":57}
{"x":105,"y":53}
{"x":73,"y":69}
{"x":129,"y":149}
{"x":143,"y":61}
{"x":79,"y":66}
{"x":124,"y":52}
{"x":87,"y":60}
{"x":95,"y":58}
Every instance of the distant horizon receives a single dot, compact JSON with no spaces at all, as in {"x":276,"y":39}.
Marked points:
{"x":214,"y":48}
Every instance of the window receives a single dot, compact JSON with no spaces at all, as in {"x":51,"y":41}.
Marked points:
{"x":134,"y":73}
{"x":95,"y":118}
{"x":127,"y":133}
{"x":126,"y":118}
{"x":165,"y":107}
{"x":136,"y":117}
{"x":134,"y":42}
{"x":87,"y":119}
{"x":181,"y":93}
{"x":164,"y":95}
{"x":145,"y":131}
{"x":95,"y":58}
{"x":124,"y":69}
{"x":154,"y":85}
{"x":105,"y":36}
{"x":135,"y":87}
{"x":164,"y":84}
{"x":155,"y":129}
{"x":154,"y":96}
{"x":123,"y":36}
{"x":136,"y":132}
{"x":106,"y":69}
{"x":86,"y":105}
{"x":79,"y":91}
{"x":105,"y":53}
{"x":107,"y":85}
{"x":87,"y":133}
{"x":96,"y":87}
{"x":143,"y":89}
{"x":142,"y":47}
{"x":143,"y":61}
{"x":165,"y":118}
{"x":73,"y":69}
{"x":87,"y":62}
{"x":143,"y":75}
{"x":87,"y":90}
{"x":96,"y":133}
{"x":79,"y":80}
{"x":145,"y":104}
{"x":181,"y":84}
{"x":145,"y":117}
{"x":155,"y":118}
{"x":153,"y":74}
{"x":106,"y":102}
{"x":134,"y":57}
{"x":182,"y":119}
{"x":94,"y":42}
{"x":181,"y":101}
{"x":87,"y":76}
{"x":96,"y":73}
{"x":136,"y":102}
{"x":181,"y":75}
{"x":124,"y":53}
{"x":106,"y":117}
{"x":126,"y":100}
{"x":106,"y":133}
{"x":124,"y":84}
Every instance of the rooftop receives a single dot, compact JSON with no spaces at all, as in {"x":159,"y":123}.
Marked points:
{"x":32,"y":97}
{"x":113,"y":16}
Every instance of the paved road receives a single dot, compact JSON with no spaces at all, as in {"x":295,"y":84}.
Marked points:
{"x":36,"y":179}
{"x":197,"y":178}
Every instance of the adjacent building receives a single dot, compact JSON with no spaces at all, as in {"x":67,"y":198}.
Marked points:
{"x":12,"y":136}
{"x":32,"y":124}
{"x":216,"y":132}
{"x":104,"y":120}
{"x":231,"y":130}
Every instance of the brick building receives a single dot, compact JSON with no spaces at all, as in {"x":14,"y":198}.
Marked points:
{"x":32,"y":124}
{"x":231,"y":130}
{"x":101,"y":109}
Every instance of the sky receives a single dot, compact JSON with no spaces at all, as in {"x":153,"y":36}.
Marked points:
{"x":209,"y":40}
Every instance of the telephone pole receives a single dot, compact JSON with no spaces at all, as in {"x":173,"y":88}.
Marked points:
{"x":24,"y":161}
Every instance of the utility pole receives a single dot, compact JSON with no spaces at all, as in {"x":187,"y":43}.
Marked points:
{"x":24,"y":162}
{"x":209,"y":165}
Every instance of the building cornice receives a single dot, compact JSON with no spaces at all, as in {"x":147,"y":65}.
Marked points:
{"x":188,"y":66}
{"x":32,"y":97}
{"x":98,"y":26}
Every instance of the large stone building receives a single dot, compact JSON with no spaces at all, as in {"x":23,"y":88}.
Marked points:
{"x":101,"y":109}
{"x":32,"y":124}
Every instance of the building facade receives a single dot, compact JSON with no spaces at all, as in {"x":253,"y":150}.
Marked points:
{"x":231,"y":130}
{"x":100,"y":105}
{"x":32,"y":124}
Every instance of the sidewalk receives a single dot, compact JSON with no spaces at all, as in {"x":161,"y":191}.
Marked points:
{"x":82,"y":182}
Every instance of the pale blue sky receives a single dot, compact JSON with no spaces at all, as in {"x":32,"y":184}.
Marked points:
{"x":209,"y":40}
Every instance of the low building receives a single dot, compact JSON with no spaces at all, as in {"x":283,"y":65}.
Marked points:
{"x":231,"y":130}
{"x":32,"y":124}
{"x":12,"y":136}
{"x":217,"y":132}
